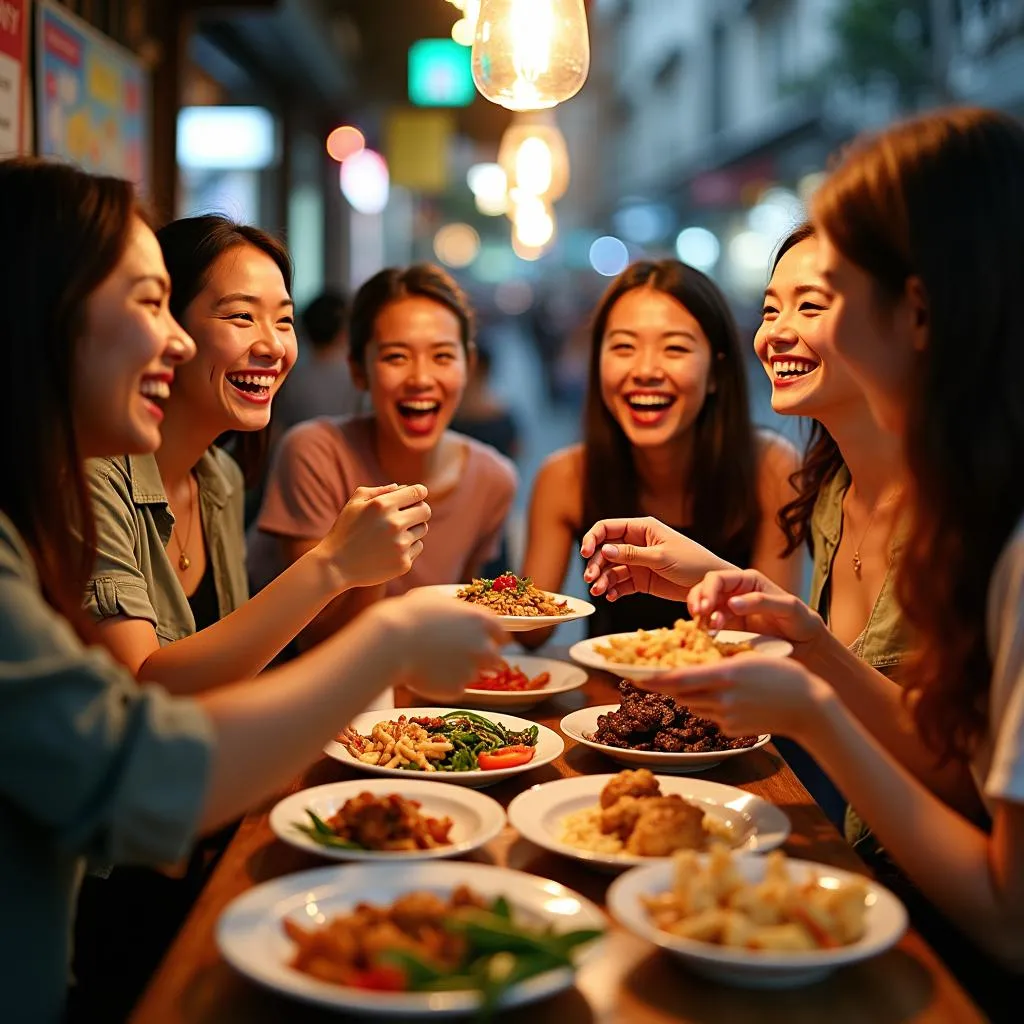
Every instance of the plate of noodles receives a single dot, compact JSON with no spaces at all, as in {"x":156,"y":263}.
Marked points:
{"x":516,"y":601}
{"x":648,"y":653}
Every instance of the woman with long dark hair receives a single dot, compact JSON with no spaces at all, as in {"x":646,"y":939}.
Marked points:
{"x":920,"y":232}
{"x":93,"y":764}
{"x":666,"y":434}
{"x":411,"y":346}
{"x":169,"y":587}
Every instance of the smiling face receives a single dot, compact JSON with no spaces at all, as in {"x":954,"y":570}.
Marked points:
{"x":244,"y":329}
{"x":655,"y":367}
{"x":126,"y":359}
{"x":415,"y":371}
{"x":795,"y":340}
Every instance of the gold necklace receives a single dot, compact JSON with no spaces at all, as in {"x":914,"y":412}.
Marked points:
{"x":855,"y":561}
{"x":183,"y":560}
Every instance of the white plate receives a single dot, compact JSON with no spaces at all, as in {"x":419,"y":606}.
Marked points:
{"x":537,"y":815}
{"x":252,"y":939}
{"x":521,"y":623}
{"x":475,"y":818}
{"x":581,"y":724}
{"x":886,"y":921}
{"x":586,"y":654}
{"x":549,"y":746}
{"x":564,"y":677}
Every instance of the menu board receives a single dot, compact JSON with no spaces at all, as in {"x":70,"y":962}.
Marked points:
{"x":92,"y":98}
{"x":13,"y":36}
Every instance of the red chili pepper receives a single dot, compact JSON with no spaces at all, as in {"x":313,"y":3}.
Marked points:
{"x":382,"y":978}
{"x":505,"y":757}
{"x":505,"y":582}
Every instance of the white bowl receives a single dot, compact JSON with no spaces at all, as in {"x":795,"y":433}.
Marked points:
{"x":549,"y":746}
{"x":521,"y":623}
{"x":747,"y":968}
{"x":564,"y":677}
{"x":580,"y":725}
{"x":586,"y":654}
{"x":476,"y":818}
{"x":251,"y":937}
{"x":537,"y":815}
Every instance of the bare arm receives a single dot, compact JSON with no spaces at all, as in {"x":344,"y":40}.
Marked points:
{"x":778,"y":461}
{"x":549,"y":538}
{"x":340,"y":611}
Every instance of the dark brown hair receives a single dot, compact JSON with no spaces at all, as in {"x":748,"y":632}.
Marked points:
{"x":822,"y":458}
{"x":723,"y":485}
{"x":64,"y":232}
{"x":393,"y":283}
{"x":191,"y":246}
{"x":941,"y":198}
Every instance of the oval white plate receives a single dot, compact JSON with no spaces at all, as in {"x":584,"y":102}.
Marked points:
{"x":475,"y":818}
{"x":549,"y":746}
{"x":251,"y":937}
{"x":585,"y":653}
{"x":581,"y":724}
{"x":537,"y":815}
{"x":521,"y":623}
{"x":564,"y":677}
{"x":886,"y":921}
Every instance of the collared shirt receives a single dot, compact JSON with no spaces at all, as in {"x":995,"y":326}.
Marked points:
{"x":134,"y":575}
{"x":885,"y":641}
{"x":92,"y":765}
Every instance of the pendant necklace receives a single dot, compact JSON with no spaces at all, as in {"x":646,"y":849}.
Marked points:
{"x":183,"y":560}
{"x":855,"y":561}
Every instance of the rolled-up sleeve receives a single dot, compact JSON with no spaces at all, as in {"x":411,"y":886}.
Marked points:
{"x":113,"y":770}
{"x":118,"y":585}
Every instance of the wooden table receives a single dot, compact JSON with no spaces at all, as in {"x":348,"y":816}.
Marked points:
{"x":631,"y":982}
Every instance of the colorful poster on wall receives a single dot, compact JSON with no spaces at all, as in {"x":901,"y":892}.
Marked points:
{"x":92,"y":98}
{"x":13,"y":49}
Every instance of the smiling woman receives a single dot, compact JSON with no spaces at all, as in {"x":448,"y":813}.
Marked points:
{"x":410,"y":347}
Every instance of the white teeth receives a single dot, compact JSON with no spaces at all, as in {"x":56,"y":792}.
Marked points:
{"x":797,"y":367}
{"x":650,"y":400}
{"x":420,"y":405}
{"x":256,"y":379}
{"x":155,"y":388}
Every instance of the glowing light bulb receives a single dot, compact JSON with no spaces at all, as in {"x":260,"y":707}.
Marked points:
{"x":530,"y":54}
{"x":533,"y":222}
{"x":534,"y":157}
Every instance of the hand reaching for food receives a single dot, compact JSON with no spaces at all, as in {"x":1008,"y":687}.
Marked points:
{"x":643,"y":556}
{"x":377,"y":535}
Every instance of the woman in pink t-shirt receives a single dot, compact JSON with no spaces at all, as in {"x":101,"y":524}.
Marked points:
{"x":410,"y":347}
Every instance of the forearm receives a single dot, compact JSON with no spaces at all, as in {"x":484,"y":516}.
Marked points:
{"x":338,"y":614}
{"x":945,"y":855}
{"x":877,"y":703}
{"x":269,"y":728}
{"x":241,"y":644}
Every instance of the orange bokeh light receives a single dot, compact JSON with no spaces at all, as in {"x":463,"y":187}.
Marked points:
{"x":344,"y":142}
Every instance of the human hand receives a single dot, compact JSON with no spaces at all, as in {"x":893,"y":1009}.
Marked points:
{"x":643,"y":556}
{"x":377,"y":535}
{"x":747,"y":695}
{"x":747,"y":599}
{"x":445,"y":643}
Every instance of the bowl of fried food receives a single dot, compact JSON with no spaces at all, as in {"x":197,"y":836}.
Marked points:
{"x":520,"y":605}
{"x":382,"y":820}
{"x":409,"y":940}
{"x":647,"y":653}
{"x":757,"y":922}
{"x":619,"y":821}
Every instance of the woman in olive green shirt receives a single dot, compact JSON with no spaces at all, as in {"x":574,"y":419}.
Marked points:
{"x":169,"y":585}
{"x":93,"y":764}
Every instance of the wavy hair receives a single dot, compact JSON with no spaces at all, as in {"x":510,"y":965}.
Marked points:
{"x":940,"y":198}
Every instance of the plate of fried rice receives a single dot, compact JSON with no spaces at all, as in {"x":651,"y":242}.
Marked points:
{"x":516,"y":601}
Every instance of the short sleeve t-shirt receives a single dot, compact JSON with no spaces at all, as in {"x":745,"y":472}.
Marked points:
{"x":999,"y":762}
{"x":319,"y":464}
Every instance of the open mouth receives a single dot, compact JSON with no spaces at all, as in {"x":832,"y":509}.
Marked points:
{"x":155,"y":388}
{"x":649,"y":409}
{"x":419,"y":415}
{"x":792,"y":369}
{"x":253,"y":386}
